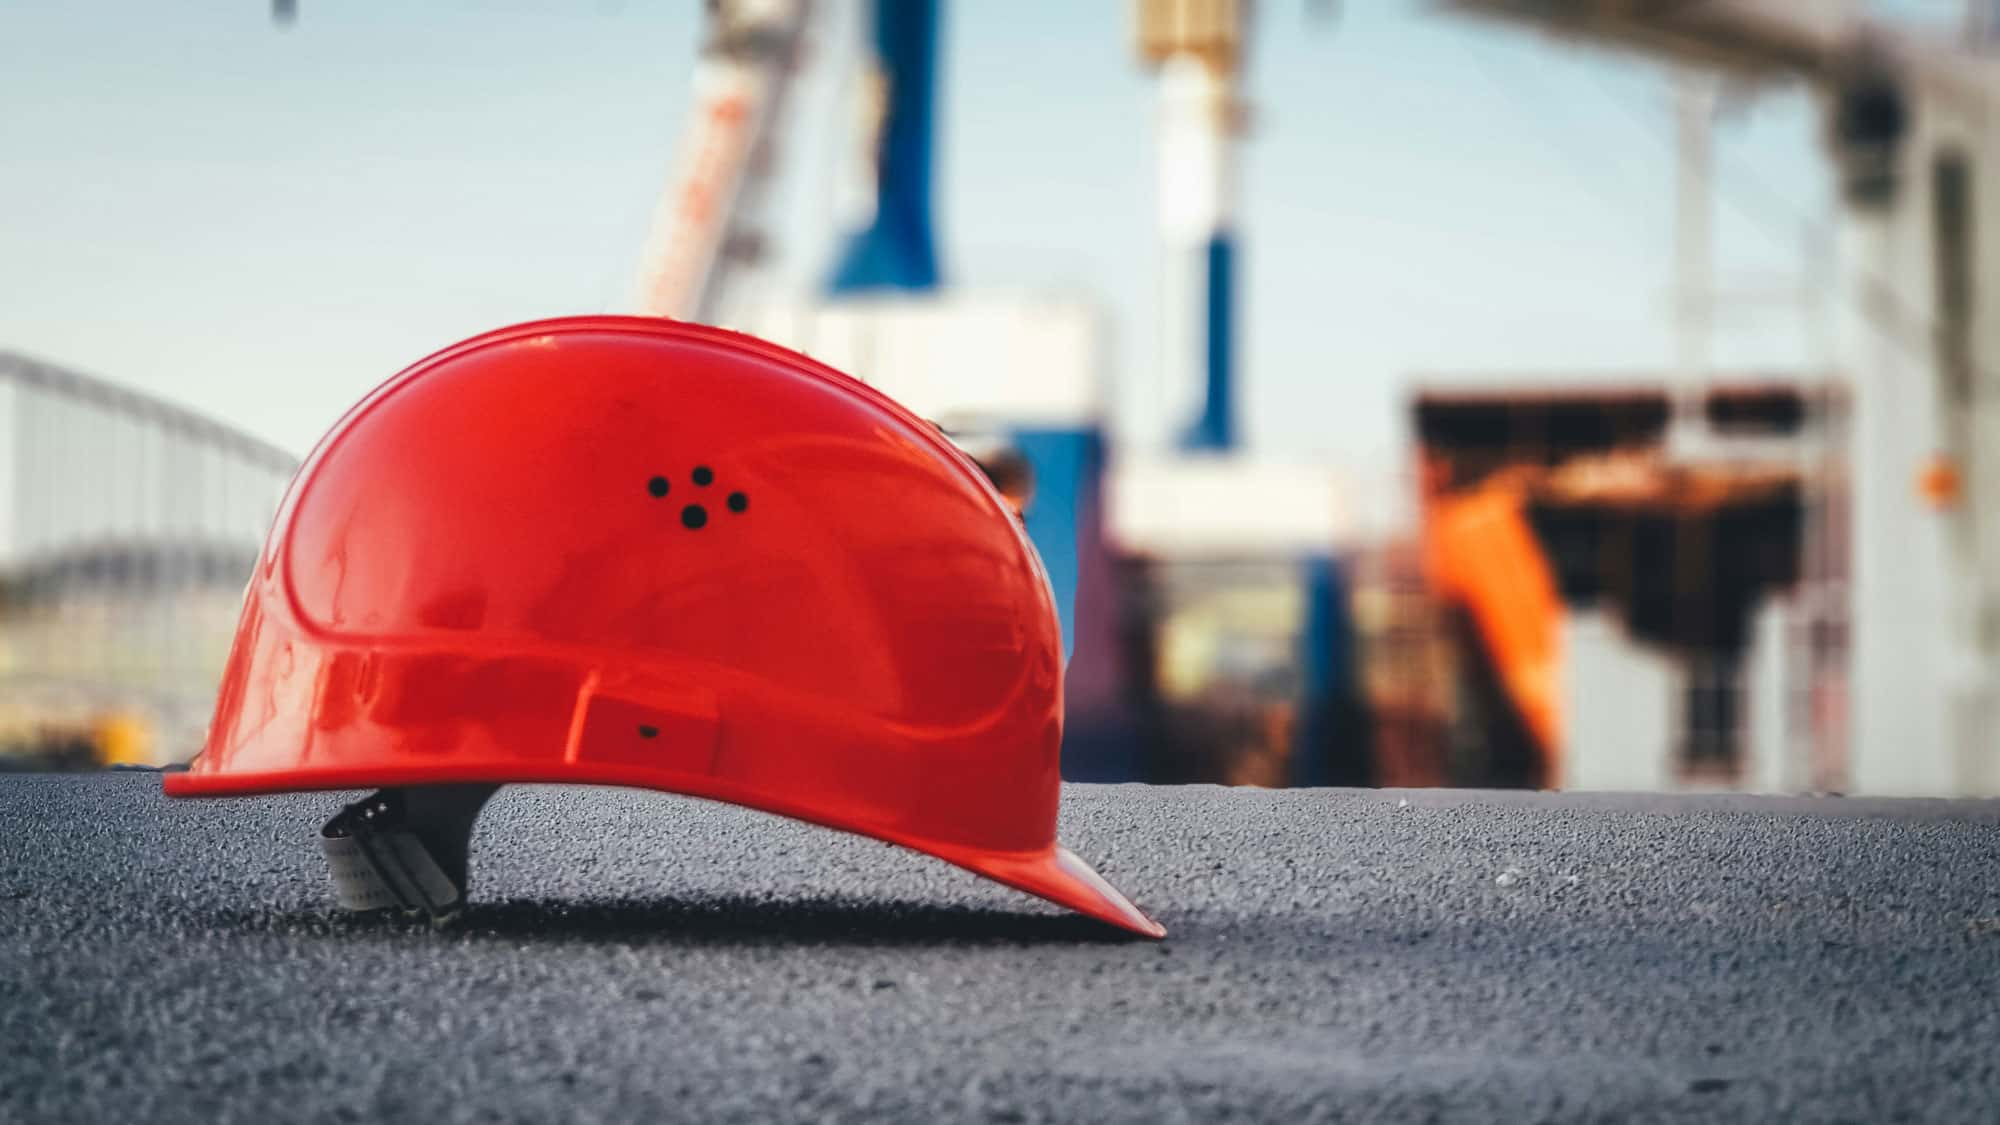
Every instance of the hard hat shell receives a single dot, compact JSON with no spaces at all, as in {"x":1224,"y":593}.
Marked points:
{"x":631,"y":551}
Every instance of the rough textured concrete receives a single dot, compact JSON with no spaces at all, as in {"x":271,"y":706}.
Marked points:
{"x":1333,"y":956}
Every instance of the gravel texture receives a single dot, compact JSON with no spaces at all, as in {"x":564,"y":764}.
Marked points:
{"x":1332,"y":955}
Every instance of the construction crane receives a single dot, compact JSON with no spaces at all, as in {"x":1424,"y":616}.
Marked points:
{"x":709,"y":219}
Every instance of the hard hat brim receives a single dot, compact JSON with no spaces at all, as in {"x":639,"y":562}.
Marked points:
{"x":1058,"y":875}
{"x":1054,"y":873}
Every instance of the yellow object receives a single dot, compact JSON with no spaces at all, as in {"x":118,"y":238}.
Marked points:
{"x":124,"y":740}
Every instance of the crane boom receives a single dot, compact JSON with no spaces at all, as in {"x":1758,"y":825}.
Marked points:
{"x":707,"y":217}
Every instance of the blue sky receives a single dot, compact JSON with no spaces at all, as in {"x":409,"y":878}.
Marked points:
{"x":263,"y":223}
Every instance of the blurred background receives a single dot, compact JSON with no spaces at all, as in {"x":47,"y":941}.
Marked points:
{"x":1558,"y":393}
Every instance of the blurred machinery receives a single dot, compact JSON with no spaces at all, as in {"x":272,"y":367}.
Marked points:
{"x":1198,"y":649}
{"x":1239,"y":658}
{"x":1918,"y":168}
{"x":128,"y":528}
{"x":1623,"y":617}
{"x":1662,"y":588}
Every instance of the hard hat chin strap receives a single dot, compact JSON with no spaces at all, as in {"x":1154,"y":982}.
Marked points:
{"x":406,"y":849}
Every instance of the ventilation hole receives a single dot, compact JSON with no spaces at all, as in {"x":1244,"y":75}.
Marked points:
{"x":738,"y":502}
{"x":657,"y":486}
{"x":703,"y":475}
{"x":648,"y":732}
{"x":694,"y":516}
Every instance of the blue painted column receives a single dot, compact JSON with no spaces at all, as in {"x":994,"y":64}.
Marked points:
{"x":896,"y":250}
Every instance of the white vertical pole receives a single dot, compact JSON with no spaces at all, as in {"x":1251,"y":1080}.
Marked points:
{"x":1900,"y":742}
{"x":1694,"y":269}
{"x":1197,"y":209}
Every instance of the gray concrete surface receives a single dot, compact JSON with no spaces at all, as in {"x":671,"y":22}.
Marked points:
{"x":1334,"y":956}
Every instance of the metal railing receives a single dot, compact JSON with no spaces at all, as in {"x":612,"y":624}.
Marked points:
{"x":128,"y":528}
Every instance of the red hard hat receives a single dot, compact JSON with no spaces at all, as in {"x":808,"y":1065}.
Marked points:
{"x":629,"y":551}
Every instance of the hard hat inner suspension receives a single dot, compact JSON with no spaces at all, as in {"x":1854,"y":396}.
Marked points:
{"x":406,"y":849}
